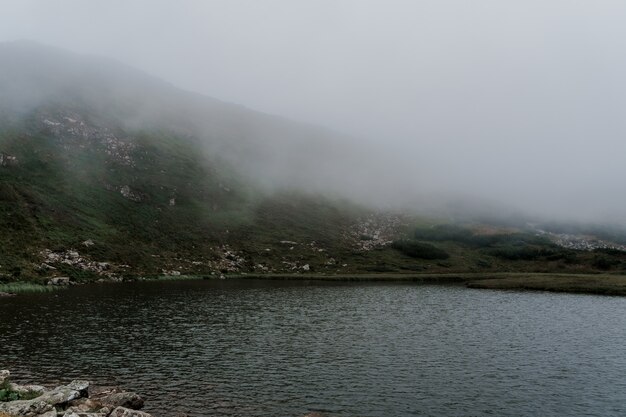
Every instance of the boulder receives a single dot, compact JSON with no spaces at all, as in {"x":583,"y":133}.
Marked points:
{"x":27,"y":389}
{"x":81,"y":386}
{"x":126,"y":412}
{"x":123,"y":399}
{"x":60,"y":395}
{"x":51,"y":413}
{"x":84,"y":405}
{"x":25,"y":408}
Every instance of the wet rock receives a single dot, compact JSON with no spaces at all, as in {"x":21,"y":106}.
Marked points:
{"x":59,"y":395}
{"x":6,"y":294}
{"x":25,"y":408}
{"x":83,"y":405}
{"x":126,"y":412}
{"x":81,"y":386}
{"x":123,"y":399}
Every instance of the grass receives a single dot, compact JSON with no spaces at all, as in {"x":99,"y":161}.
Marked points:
{"x":7,"y":394}
{"x":173,"y":277}
{"x":64,"y":192}
{"x":26,"y":287}
{"x":605,"y":284}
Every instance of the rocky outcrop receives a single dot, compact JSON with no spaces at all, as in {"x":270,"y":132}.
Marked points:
{"x":374,"y":231}
{"x":59,"y":281}
{"x":73,"y":258}
{"x":25,"y":408}
{"x":130,"y":194}
{"x":7,"y":160}
{"x":73,"y":130}
{"x":71,"y":400}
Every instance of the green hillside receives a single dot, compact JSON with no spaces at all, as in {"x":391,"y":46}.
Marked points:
{"x":106,"y":173}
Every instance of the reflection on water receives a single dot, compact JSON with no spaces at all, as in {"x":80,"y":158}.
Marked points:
{"x":262,"y":348}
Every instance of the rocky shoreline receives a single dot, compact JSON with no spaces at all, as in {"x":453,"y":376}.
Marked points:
{"x":79,"y":398}
{"x":76,"y":399}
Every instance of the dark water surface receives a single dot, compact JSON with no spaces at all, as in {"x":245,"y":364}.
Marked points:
{"x":284,"y":348}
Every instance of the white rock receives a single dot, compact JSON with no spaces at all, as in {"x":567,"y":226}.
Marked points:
{"x":59,"y":281}
{"x":4,"y":375}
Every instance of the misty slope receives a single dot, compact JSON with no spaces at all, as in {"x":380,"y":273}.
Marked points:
{"x":107,"y":172}
{"x":149,"y":201}
{"x":274,"y":151}
{"x":100,"y":163}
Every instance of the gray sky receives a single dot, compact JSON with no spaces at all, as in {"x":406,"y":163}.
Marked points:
{"x":519,"y":101}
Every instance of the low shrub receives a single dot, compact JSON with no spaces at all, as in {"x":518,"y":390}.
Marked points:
{"x":419,"y":250}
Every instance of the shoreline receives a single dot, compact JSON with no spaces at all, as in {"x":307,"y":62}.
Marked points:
{"x":599,"y":284}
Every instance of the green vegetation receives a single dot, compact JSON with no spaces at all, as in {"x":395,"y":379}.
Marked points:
{"x":8,"y":394}
{"x":26,"y":287}
{"x":463,"y":235}
{"x":577,"y":283}
{"x":594,"y":284}
{"x":160,"y":204}
{"x":173,"y":277}
{"x":419,"y":250}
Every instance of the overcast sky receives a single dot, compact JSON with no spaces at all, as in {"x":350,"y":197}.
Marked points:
{"x":521,"y":101}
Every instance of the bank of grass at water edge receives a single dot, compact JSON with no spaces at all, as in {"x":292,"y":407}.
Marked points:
{"x":171,"y":277}
{"x":602,"y":284}
{"x":608,"y":284}
{"x":21,"y":287}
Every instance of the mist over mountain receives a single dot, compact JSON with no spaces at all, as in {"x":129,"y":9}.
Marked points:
{"x":312,"y":208}
{"x":516,"y":107}
{"x":139,"y":174}
{"x":278,"y":153}
{"x":274,"y":151}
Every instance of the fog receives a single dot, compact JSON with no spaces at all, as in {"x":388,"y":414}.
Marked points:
{"x":516,"y":104}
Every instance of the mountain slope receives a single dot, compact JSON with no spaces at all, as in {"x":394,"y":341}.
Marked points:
{"x":108,"y":173}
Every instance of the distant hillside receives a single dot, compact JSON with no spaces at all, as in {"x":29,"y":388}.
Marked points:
{"x":272,"y":150}
{"x":107,"y":173}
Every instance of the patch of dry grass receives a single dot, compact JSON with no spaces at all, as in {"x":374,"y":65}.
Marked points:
{"x":589,"y":283}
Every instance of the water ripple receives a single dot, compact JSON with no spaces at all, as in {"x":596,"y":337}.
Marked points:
{"x":234,"y":348}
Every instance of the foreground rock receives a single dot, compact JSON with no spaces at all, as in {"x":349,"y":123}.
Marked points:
{"x":127,"y":412}
{"x":71,"y":400}
{"x":123,"y":399}
{"x":26,"y":408}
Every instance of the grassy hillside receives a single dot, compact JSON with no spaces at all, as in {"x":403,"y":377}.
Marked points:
{"x":88,"y":201}
{"x":106,"y":173}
